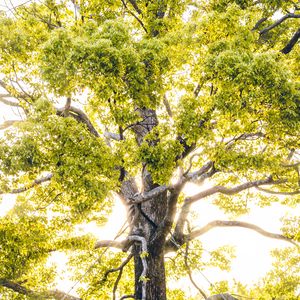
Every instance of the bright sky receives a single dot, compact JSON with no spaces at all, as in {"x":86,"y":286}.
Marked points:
{"x":252,"y":250}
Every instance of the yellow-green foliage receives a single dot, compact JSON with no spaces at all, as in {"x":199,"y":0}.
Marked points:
{"x":232,"y":94}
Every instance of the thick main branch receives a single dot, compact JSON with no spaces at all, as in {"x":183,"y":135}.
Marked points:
{"x":30,"y":186}
{"x":218,"y":223}
{"x":230,"y":191}
{"x":110,"y":243}
{"x":292,"y":42}
{"x":140,"y":198}
{"x":278,"y":22}
{"x":52,"y":294}
{"x":8,"y":102}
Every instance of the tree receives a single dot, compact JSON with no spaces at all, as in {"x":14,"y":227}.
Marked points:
{"x":135,"y":99}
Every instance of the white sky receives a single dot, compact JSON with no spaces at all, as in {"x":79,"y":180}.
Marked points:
{"x":252,"y":250}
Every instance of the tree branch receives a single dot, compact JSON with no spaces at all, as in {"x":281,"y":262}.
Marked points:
{"x":33,"y":184}
{"x":244,"y":137}
{"x":278,"y":22}
{"x":80,"y":116}
{"x":67,"y":107}
{"x":188,"y":269}
{"x":112,"y":136}
{"x":206,"y":171}
{"x":140,"y":198}
{"x":56,"y":294}
{"x":191,"y":163}
{"x":185,"y":209}
{"x":127,"y":297}
{"x":117,"y":283}
{"x":290,"y":45}
{"x":135,"y":6}
{"x":110,"y":243}
{"x":118,"y":269}
{"x":225,"y":296}
{"x":8,"y":123}
{"x":277,"y":192}
{"x":13,"y":93}
{"x":291,"y":165}
{"x":59,"y":295}
{"x":124,"y":263}
{"x":8,"y":102}
{"x":167,"y":106}
{"x":187,"y":149}
{"x":218,"y":223}
{"x":195,"y":175}
{"x":198,"y":89}
{"x":231,"y":191}
{"x":259,"y":22}
{"x":134,"y":15}
{"x":28,"y":96}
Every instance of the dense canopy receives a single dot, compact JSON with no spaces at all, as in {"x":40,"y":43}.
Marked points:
{"x":128,"y":101}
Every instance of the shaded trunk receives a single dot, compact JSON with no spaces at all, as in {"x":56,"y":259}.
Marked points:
{"x":156,"y":280}
{"x":153,"y":211}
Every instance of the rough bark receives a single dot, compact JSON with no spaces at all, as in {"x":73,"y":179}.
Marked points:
{"x":151,"y":213}
{"x":145,"y":217}
{"x":292,"y":42}
{"x":156,"y":280}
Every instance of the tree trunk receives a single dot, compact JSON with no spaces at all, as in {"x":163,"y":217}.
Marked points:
{"x":152,"y":214}
{"x":147,"y":220}
{"x":156,"y":279}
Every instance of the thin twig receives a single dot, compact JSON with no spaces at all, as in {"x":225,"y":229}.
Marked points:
{"x":120,"y":269}
{"x":135,"y":16}
{"x":188,"y":269}
{"x":191,"y":163}
{"x":124,"y":263}
{"x":96,"y":261}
